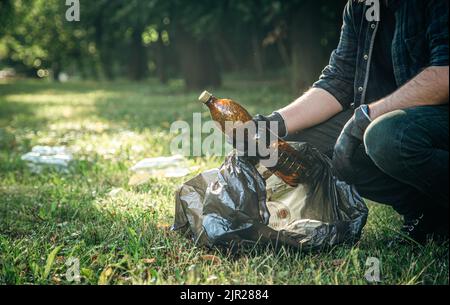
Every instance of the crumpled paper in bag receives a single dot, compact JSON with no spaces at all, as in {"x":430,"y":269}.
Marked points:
{"x":234,"y":205}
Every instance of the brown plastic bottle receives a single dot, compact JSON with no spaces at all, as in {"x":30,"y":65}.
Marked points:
{"x":288,"y":168}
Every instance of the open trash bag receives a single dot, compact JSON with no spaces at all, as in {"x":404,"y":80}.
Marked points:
{"x":235,"y":205}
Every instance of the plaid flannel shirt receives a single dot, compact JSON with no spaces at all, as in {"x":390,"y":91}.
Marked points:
{"x":420,"y":41}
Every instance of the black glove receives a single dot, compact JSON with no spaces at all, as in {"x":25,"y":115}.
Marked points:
{"x":261,"y":133}
{"x":274,"y":117}
{"x":352,"y":136}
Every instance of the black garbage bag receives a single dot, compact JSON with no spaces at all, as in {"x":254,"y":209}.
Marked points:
{"x":235,"y":204}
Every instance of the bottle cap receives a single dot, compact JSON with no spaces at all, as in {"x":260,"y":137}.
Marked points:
{"x":205,"y":97}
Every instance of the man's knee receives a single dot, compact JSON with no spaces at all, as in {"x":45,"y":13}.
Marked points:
{"x":383,"y":140}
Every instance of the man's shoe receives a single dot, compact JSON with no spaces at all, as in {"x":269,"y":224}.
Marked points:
{"x":438,"y":219}
{"x":415,"y":229}
{"x":423,"y":229}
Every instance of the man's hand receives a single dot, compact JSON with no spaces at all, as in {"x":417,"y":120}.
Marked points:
{"x":261,"y":129}
{"x":275,"y":118}
{"x":351,"y":138}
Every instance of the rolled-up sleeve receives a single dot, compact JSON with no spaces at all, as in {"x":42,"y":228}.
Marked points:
{"x":339,"y":75}
{"x":437,"y":32}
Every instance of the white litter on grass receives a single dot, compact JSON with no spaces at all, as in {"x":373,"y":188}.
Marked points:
{"x":40,"y":157}
{"x":163,"y":167}
{"x":176,"y":172}
{"x":115,"y":192}
{"x":150,"y":164}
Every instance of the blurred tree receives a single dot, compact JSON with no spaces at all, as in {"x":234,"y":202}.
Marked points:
{"x":261,"y":19}
{"x":6,"y":15}
{"x":192,"y":25}
{"x":314,"y":27}
{"x":131,"y":18}
{"x":22,"y":36}
{"x":195,"y":39}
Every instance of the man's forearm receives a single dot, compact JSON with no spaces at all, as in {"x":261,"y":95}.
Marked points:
{"x":312,"y":108}
{"x":430,"y":87}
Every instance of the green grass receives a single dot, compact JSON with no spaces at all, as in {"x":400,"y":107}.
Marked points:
{"x":122,"y":238}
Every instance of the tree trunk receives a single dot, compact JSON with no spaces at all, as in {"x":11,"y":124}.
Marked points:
{"x":230,"y":60}
{"x":197,"y":61}
{"x":107,"y":62}
{"x":284,"y":54}
{"x":81,"y":68}
{"x":56,"y":70}
{"x":161,"y":69}
{"x":305,"y":44}
{"x":137,"y":67}
{"x":105,"y":47}
{"x":257,"y":53}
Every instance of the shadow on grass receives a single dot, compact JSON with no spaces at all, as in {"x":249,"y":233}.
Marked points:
{"x":30,"y":86}
{"x":37,"y":87}
{"x":133,"y":105}
{"x":23,"y":115}
{"x":155,"y":106}
{"x":139,"y":112}
{"x":148,"y":104}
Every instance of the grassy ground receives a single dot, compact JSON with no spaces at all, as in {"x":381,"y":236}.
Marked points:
{"x":121,"y":237}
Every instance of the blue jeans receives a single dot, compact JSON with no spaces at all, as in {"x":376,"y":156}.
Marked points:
{"x":403,"y":161}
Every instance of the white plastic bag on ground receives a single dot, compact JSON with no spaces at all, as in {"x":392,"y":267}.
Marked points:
{"x":163,"y":167}
{"x":40,"y":157}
